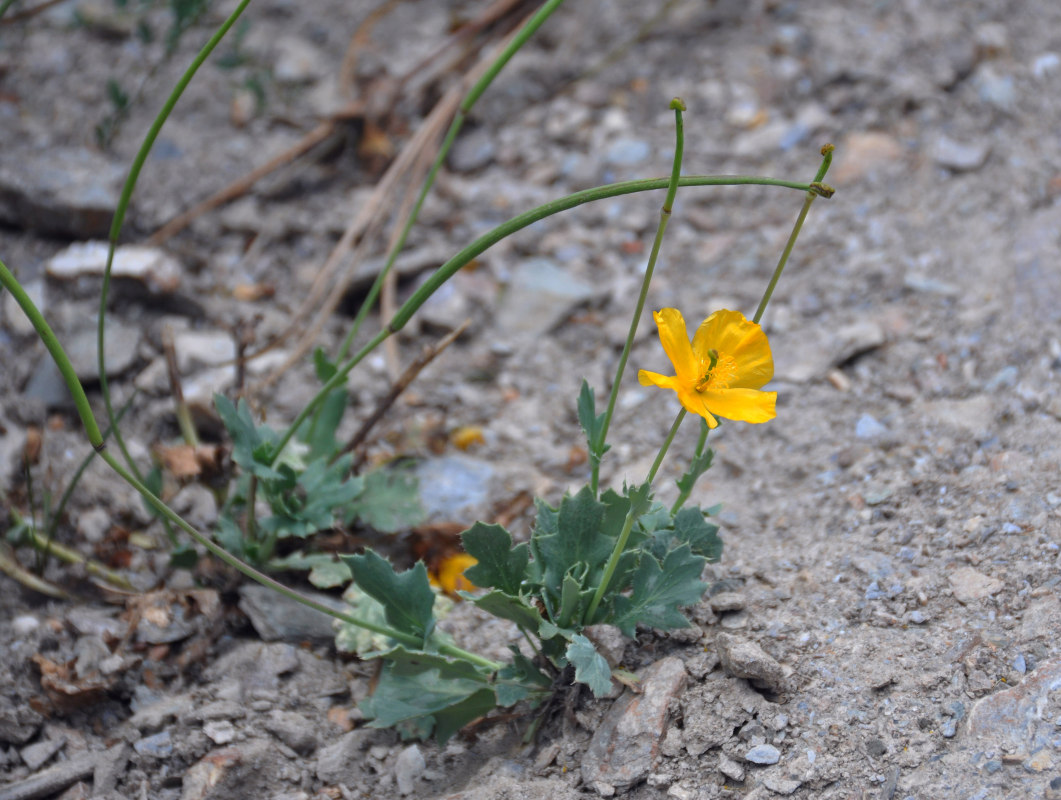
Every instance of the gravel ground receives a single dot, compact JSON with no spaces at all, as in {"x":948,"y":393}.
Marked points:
{"x":884,"y":621}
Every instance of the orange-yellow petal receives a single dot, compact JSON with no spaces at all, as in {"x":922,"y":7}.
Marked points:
{"x":745,"y":405}
{"x":731,"y":334}
{"x":675,"y":340}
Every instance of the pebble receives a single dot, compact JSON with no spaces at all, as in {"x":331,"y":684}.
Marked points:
{"x":1046,"y":65}
{"x":1053,"y":789}
{"x":969,"y":585}
{"x":865,"y":153}
{"x":408,"y":768}
{"x":119,"y":349}
{"x":473,"y":150}
{"x":744,"y":659}
{"x":341,"y":761}
{"x":730,"y":768}
{"x":158,"y":746}
{"x":782,"y":786}
{"x":763,"y":754}
{"x":292,"y":729}
{"x":69,"y":192}
{"x":154,"y":268}
{"x":868,"y":427}
{"x":625,"y":746}
{"x":453,"y":486}
{"x":538,"y":297}
{"x":220,"y":732}
{"x":727,"y":601}
{"x":298,"y":62}
{"x":25,"y":624}
{"x":959,"y":157}
{"x":1011,"y":719}
{"x":627,"y":152}
{"x":38,"y":754}
{"x":279,"y":619}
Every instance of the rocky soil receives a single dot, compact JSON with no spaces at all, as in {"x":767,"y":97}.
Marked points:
{"x":884,"y":621}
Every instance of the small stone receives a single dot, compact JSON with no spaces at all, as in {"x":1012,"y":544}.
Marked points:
{"x":220,"y":731}
{"x":119,"y":350}
{"x":868,"y":427}
{"x":453,"y":486}
{"x":727,"y":601}
{"x":730,"y":768}
{"x":297,"y":62}
{"x":780,"y":785}
{"x":627,"y":152}
{"x":473,"y":150}
{"x":625,"y":746}
{"x":277,"y":618}
{"x":25,"y":624}
{"x":1011,"y":720}
{"x":969,"y":585}
{"x":1046,"y":65}
{"x":408,"y":769}
{"x":876,"y":748}
{"x":949,"y":729}
{"x":203,"y":348}
{"x":1039,"y":761}
{"x":609,"y":641}
{"x":154,"y":268}
{"x":292,"y":729}
{"x":959,"y":157}
{"x":93,"y":524}
{"x":864,"y":154}
{"x":38,"y":754}
{"x":539,"y":296}
{"x":342,"y":761}
{"x":251,"y":769}
{"x":743,"y":659}
{"x":153,"y":717}
{"x":763,"y":754}
{"x":158,"y":746}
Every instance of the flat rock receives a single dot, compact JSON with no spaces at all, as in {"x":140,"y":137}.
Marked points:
{"x":151,"y":266}
{"x":66,"y":192}
{"x":120,"y":346}
{"x":539,"y":296}
{"x":343,"y":760}
{"x":959,"y":157}
{"x":408,"y":768}
{"x":969,"y":585}
{"x":763,"y":754}
{"x":453,"y":487}
{"x":247,"y":771}
{"x":1020,"y":719}
{"x":292,"y":729}
{"x":744,"y":659}
{"x":625,"y":747}
{"x":278,"y":618}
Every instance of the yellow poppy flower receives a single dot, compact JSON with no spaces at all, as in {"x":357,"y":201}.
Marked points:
{"x":721,"y":371}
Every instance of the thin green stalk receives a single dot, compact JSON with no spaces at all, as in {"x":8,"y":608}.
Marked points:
{"x":489,"y":239}
{"x":664,"y":218}
{"x":63,"y":553}
{"x":697,"y":453}
{"x":628,"y":523}
{"x":521,"y":38}
{"x":119,"y":218}
{"x":95,"y":438}
{"x":816,"y":189}
{"x":5,"y":5}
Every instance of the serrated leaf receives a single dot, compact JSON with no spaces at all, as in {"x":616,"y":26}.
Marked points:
{"x":570,"y":592}
{"x":590,"y":666}
{"x":640,"y":498}
{"x":578,"y":539}
{"x":324,"y":368}
{"x":522,"y":669}
{"x":229,"y":536}
{"x":390,"y":501}
{"x":406,"y":597}
{"x":657,"y":591}
{"x":501,"y":566}
{"x":592,"y":423}
{"x":452,"y":718}
{"x":506,"y":606}
{"x":252,"y":445}
{"x":319,"y":431}
{"x":691,"y":528}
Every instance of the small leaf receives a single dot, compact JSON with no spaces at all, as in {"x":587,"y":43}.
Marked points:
{"x":590,"y":666}
{"x":501,"y":566}
{"x":505,"y":606}
{"x":659,"y":590}
{"x":579,"y":539}
{"x":452,"y":718}
{"x":592,"y":423}
{"x":390,"y":501}
{"x":329,"y":574}
{"x":406,"y":597}
{"x":691,"y":528}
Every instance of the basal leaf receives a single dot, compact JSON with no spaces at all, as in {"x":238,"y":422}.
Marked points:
{"x":592,"y":423}
{"x":578,"y":540}
{"x":390,"y":501}
{"x":406,"y":691}
{"x":329,"y":574}
{"x":406,"y":597}
{"x":590,"y":666}
{"x":506,"y":606}
{"x":452,"y":718}
{"x":658,"y":591}
{"x":501,"y":566}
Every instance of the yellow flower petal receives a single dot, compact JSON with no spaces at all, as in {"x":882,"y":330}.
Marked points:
{"x":729,"y":333}
{"x":745,"y":405}
{"x":675,"y":341}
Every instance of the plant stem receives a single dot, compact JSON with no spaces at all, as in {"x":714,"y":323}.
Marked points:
{"x":628,"y":523}
{"x":814,"y":191}
{"x":700,"y":444}
{"x":597,"y":451}
{"x":63,"y":553}
{"x":528,"y":30}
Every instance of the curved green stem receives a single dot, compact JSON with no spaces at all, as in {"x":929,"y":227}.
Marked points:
{"x":489,"y":239}
{"x":469,"y":100}
{"x":664,"y":217}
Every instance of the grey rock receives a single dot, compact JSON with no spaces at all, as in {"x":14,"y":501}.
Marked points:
{"x":47,"y":386}
{"x":609,"y":641}
{"x":452,"y":487}
{"x":763,"y":754}
{"x":625,"y":747}
{"x":408,"y":769}
{"x":781,"y":785}
{"x":93,"y":524}
{"x":119,"y":349}
{"x":66,"y":192}
{"x":110,"y":766}
{"x":90,"y":651}
{"x":1046,"y":65}
{"x":158,"y":746}
{"x":154,"y":268}
{"x":292,"y":729}
{"x":219,"y":709}
{"x":256,"y":665}
{"x":220,"y":731}
{"x":297,"y":62}
{"x":539,"y":296}
{"x":627,"y":152}
{"x":994,"y":88}
{"x":1012,"y":720}
{"x":14,"y":317}
{"x":277,"y":618}
{"x":52,"y":780}
{"x":868,"y":427}
{"x":88,"y":621}
{"x":40,"y":753}
{"x":343,"y":760}
{"x":473,"y":150}
{"x":727,"y":601}
{"x":153,"y":717}
{"x":969,"y":585}
{"x":959,"y":157}
{"x":744,"y":659}
{"x":730,"y":768}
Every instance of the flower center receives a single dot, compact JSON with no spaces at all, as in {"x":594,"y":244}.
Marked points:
{"x":720,"y":371}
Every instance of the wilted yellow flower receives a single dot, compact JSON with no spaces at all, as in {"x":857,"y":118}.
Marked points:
{"x":450,"y":577}
{"x":721,"y":371}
